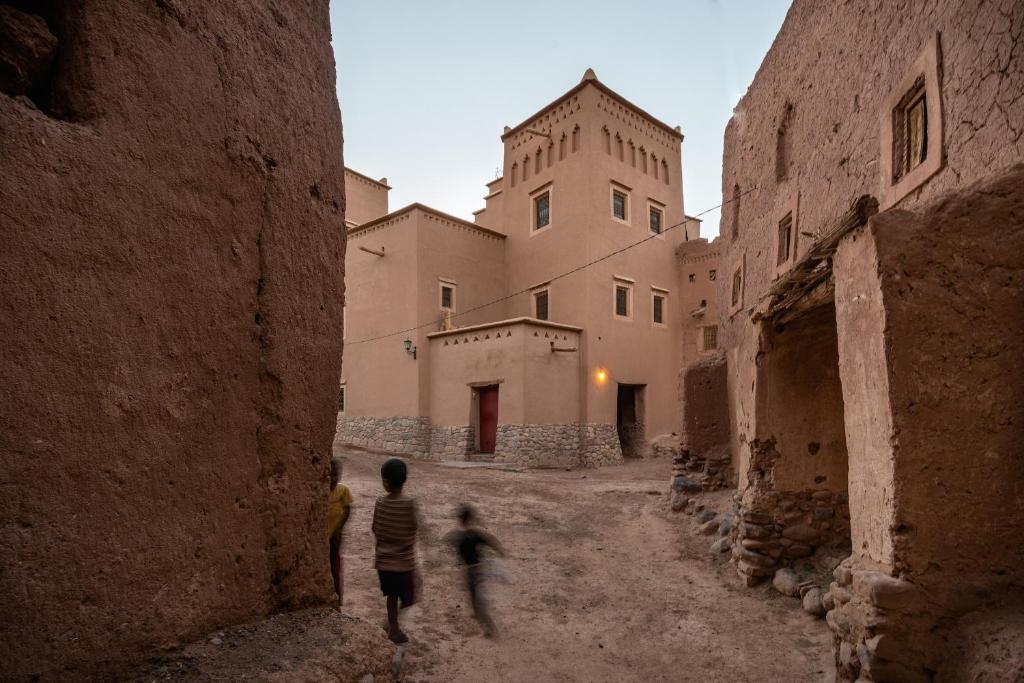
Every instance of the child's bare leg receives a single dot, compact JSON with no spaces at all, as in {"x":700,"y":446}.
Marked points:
{"x":394,"y":633}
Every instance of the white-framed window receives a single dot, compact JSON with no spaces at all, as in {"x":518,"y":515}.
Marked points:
{"x":659,"y":307}
{"x":655,"y":217}
{"x":622,"y":298}
{"x":542,"y":303}
{"x":341,"y":398}
{"x":620,"y":203}
{"x":540,"y":209}
{"x":447,"y":290}
{"x":709,"y":338}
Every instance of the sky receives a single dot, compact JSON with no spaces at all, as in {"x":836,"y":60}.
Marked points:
{"x":426,"y":87}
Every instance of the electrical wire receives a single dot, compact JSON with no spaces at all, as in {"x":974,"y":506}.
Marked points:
{"x":565,"y":274}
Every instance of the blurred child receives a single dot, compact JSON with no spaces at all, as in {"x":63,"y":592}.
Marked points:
{"x":339,"y":508}
{"x":395,"y":523}
{"x":469,"y":541}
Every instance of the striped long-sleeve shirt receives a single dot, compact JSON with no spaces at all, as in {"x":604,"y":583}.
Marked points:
{"x":394,"y":525}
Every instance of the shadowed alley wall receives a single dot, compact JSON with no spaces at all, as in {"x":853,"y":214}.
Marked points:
{"x":171,"y":210}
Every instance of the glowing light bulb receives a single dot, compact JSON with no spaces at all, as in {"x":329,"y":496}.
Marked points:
{"x":601,"y":375}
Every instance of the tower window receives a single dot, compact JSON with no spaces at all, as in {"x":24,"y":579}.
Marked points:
{"x":623,"y":294}
{"x":619,"y":202}
{"x":654,"y":220}
{"x":710,"y":341}
{"x":447,"y":297}
{"x":542,"y":210}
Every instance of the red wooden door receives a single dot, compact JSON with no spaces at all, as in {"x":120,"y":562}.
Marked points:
{"x":488,"y":418}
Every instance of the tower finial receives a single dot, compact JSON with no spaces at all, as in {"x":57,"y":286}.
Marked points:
{"x":589,"y":75}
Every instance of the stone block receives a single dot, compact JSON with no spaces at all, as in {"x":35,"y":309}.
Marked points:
{"x":706,"y":516}
{"x":685,"y":485}
{"x":709,"y":528}
{"x":812,"y":602}
{"x":801,"y":533}
{"x":748,"y":530}
{"x":787,"y":582}
{"x":722,"y":545}
{"x":754,"y":570}
{"x":679,"y":501}
{"x":725,"y":525}
{"x":754,"y":558}
{"x":886,"y":591}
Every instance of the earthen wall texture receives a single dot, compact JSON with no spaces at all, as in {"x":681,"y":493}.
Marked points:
{"x":172,"y":221}
{"x":830,"y":68}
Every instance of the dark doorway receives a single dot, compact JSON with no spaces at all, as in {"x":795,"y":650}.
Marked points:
{"x":488,"y":417}
{"x":629,"y":419}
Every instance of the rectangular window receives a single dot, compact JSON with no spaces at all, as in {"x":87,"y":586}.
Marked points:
{"x":540,"y":305}
{"x":785,"y":239}
{"x":447,"y":296}
{"x":711,"y":337}
{"x":341,"y":399}
{"x":541,"y":211}
{"x":692,"y":277}
{"x":712,"y":275}
{"x":658,"y":307}
{"x":619,"y":204}
{"x":910,"y":131}
{"x":622,"y":301}
{"x":737,"y":286}
{"x":655,"y":220}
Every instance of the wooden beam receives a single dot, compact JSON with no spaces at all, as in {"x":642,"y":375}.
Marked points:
{"x":372,"y":251}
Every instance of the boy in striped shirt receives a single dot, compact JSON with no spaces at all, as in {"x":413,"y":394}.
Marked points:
{"x":395,"y":523}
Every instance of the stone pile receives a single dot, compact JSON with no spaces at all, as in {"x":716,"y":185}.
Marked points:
{"x":777,"y":527}
{"x":710,"y":469}
{"x":813,"y":599}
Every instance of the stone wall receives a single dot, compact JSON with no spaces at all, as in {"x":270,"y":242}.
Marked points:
{"x":172,"y":262}
{"x":705,"y":451}
{"x":599,"y":445}
{"x":452,"y":443}
{"x":401,"y":434}
{"x":538,"y":445}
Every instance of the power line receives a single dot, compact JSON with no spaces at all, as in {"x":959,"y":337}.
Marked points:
{"x":565,"y":274}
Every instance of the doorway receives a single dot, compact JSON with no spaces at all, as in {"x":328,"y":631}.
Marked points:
{"x":488,"y":418}
{"x":629,"y":419}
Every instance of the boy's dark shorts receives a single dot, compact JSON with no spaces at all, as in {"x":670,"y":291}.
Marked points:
{"x":399,"y":584}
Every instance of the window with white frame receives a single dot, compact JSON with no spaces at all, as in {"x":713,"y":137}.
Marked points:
{"x":620,"y":203}
{"x":659,"y":306}
{"x":541,"y":301}
{"x":655,"y":217}
{"x":540,"y":208}
{"x":447,"y":296}
{"x":623,"y":299}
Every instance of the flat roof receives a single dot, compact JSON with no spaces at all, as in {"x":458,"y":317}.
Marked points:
{"x":416,"y":206}
{"x":500,"y":323}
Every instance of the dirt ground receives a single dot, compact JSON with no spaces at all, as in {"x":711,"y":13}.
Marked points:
{"x":608,"y":585}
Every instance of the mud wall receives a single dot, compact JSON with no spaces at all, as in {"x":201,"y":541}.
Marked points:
{"x":172,"y":219}
{"x":800,"y":403}
{"x":951,"y":279}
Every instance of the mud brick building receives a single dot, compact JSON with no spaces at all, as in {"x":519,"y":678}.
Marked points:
{"x":872,"y":312}
{"x":171,"y":214}
{"x":503,"y":357}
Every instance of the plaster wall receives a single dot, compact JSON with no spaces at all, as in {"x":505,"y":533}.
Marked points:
{"x":380,"y":378}
{"x":367,"y":199}
{"x":536,"y":386}
{"x":172,"y":263}
{"x":697,"y":258}
{"x":582,"y":229}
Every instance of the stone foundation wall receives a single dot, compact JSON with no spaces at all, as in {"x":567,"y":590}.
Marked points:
{"x":599,"y":445}
{"x":411,"y":435}
{"x":451,"y":442}
{"x":538,"y":445}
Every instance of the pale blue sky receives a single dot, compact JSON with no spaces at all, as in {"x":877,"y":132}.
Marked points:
{"x":426,"y":87}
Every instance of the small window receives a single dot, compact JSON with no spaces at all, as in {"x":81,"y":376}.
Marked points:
{"x":540,"y":305}
{"x":910,"y":131}
{"x":710,"y":337}
{"x":622,"y":301}
{"x":341,"y":399}
{"x":576,"y":139}
{"x":447,"y":296}
{"x":655,"y":220}
{"x":692,"y":277}
{"x":737,"y":286}
{"x":712,"y":275}
{"x":619,"y":204}
{"x":542,"y":211}
{"x":785,"y":239}
{"x":658,"y":307}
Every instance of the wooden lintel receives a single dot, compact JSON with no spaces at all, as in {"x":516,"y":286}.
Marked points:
{"x":372,"y":251}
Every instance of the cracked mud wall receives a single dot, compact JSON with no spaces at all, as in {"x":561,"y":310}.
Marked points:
{"x":172,"y":213}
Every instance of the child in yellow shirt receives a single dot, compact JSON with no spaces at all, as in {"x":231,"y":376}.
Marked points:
{"x":339,"y":508}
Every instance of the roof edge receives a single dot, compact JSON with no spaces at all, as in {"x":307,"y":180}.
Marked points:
{"x":416,"y":206}
{"x":498,"y":323}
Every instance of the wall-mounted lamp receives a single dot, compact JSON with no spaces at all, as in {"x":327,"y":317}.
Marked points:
{"x":410,"y":349}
